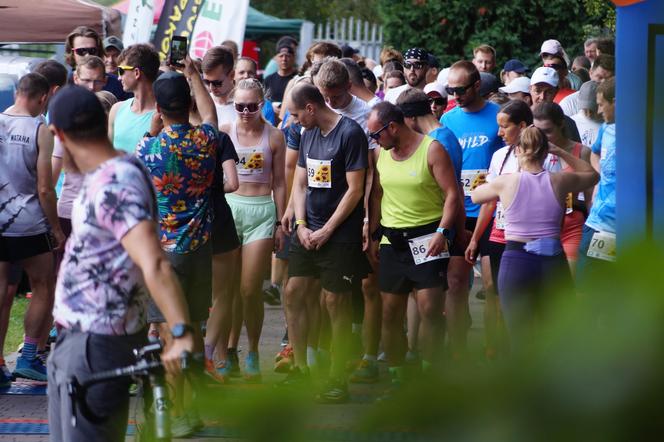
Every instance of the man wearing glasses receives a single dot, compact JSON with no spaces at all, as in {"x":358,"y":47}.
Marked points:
{"x":90,"y":74}
{"x":130,"y":119}
{"x":416,"y":66}
{"x":474,"y":124}
{"x":218,"y":76}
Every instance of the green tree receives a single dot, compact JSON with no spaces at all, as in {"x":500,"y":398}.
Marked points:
{"x":451,"y":28}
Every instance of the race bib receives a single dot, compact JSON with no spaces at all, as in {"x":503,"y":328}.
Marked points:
{"x":251,"y":161}
{"x":420,"y":246}
{"x":500,"y":221}
{"x":569,"y":204}
{"x":470,"y":179}
{"x":319,"y":173}
{"x":603,"y":246}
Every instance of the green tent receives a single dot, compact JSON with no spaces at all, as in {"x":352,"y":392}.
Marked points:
{"x":263,"y":25}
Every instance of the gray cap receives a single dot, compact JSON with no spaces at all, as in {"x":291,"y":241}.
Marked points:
{"x":488,"y":84}
{"x":113,"y":42}
{"x":588,"y":96}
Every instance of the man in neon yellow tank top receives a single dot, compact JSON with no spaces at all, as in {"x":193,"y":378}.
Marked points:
{"x":415,"y":201}
{"x":129,"y":120}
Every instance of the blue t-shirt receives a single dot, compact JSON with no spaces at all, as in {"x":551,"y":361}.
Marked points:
{"x":603,"y":212}
{"x":268,"y":112}
{"x":477,"y":133}
{"x":449,"y":141}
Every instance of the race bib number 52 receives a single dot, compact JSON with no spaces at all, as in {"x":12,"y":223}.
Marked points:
{"x":603,"y":246}
{"x":470,"y":179}
{"x":319,"y":173}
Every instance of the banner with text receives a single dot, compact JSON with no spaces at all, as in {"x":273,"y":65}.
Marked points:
{"x":219,"y":20}
{"x":177,"y":18}
{"x":138,"y":24}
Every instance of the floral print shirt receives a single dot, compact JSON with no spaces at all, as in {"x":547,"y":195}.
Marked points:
{"x":100,"y":289}
{"x":181,"y":161}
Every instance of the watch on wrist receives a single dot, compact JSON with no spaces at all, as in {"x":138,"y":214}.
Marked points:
{"x":443,"y":231}
{"x":180,"y":329}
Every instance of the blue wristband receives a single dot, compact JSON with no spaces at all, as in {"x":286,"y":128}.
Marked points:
{"x":443,"y":231}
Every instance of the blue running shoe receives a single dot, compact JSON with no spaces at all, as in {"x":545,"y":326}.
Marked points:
{"x":30,"y":369}
{"x":252,"y":369}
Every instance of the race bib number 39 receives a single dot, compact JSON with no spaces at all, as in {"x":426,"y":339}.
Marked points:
{"x":420,"y":246}
{"x":319,"y":173}
{"x":603,"y":246}
{"x":251,"y":161}
{"x":470,"y":179}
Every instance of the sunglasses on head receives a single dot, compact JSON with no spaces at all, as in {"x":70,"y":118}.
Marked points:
{"x":459,"y":90}
{"x":438,"y":101}
{"x":376,"y":135}
{"x":417,"y":65}
{"x":123,"y":69}
{"x":214,"y":83}
{"x":251,"y":108}
{"x":81,"y":52}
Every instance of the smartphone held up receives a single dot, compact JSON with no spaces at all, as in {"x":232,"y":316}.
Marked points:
{"x":178,"y":51}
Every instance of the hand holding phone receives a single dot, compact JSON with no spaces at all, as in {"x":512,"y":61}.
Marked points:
{"x":178,"y":51}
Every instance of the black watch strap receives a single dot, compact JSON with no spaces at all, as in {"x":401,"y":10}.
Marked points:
{"x":181,"y":329}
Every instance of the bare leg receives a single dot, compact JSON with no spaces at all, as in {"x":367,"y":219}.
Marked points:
{"x":413,"y":323}
{"x":255,"y":262}
{"x":456,"y":304}
{"x":295,"y":304}
{"x":40,"y":270}
{"x":394,"y":341}
{"x":221,"y":317}
{"x":340,"y":308}
{"x":429,"y":304}
{"x":372,"y":314}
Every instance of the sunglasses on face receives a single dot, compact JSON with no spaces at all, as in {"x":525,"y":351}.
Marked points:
{"x":417,"y":65}
{"x":123,"y":69}
{"x":214,"y":83}
{"x":459,"y":90}
{"x":251,"y":108}
{"x":555,"y":66}
{"x":82,"y":52}
{"x":376,"y":135}
{"x":438,"y":101}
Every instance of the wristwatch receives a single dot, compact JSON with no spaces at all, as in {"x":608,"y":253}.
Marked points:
{"x":443,"y":231}
{"x":181,"y":329}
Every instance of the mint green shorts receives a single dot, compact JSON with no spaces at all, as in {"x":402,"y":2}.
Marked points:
{"x":254,"y":216}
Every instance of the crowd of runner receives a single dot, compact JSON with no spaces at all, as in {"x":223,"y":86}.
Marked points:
{"x":366,"y":191}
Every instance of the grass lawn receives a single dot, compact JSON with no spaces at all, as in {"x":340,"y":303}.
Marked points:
{"x":15,"y":331}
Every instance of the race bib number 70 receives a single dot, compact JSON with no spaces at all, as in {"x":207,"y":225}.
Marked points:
{"x":603,"y":246}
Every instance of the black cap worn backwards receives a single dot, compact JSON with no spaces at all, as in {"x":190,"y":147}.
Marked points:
{"x":172,"y":92}
{"x":74,"y":106}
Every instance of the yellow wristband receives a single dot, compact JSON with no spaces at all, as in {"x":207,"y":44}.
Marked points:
{"x":300,"y":222}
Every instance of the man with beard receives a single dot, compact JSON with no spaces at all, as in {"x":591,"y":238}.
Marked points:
{"x":416,"y":66}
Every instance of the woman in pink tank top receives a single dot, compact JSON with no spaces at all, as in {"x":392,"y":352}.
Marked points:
{"x":550,"y":118}
{"x":257,"y":206}
{"x":534,"y":201}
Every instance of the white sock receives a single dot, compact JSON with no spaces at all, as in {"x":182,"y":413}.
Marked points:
{"x":312,"y":356}
{"x":370,"y":358}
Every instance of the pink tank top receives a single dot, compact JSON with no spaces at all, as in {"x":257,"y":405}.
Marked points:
{"x":535,"y":211}
{"x":255,"y":162}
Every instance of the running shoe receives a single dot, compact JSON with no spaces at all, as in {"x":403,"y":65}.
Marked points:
{"x":43,"y":355}
{"x":233,"y":362}
{"x":284,"y":360}
{"x":284,"y":340}
{"x":212,"y":372}
{"x":334,"y":392}
{"x":296,"y":378}
{"x":365,"y":373}
{"x":272,"y":296}
{"x":6,"y":377}
{"x":30,"y":369}
{"x":181,"y":427}
{"x":252,"y":368}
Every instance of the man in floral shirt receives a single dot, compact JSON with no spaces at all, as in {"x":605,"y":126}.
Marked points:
{"x":111,"y":257}
{"x":181,"y":159}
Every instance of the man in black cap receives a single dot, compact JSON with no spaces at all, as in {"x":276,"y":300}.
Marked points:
{"x":112,"y":261}
{"x":181,"y":160}
{"x":513,"y":69}
{"x":416,"y":66}
{"x":112,"y":48}
{"x":275,"y":84}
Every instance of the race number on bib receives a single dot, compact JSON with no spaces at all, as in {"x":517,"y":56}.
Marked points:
{"x":420,"y":246}
{"x":250,"y":161}
{"x":500,"y":216}
{"x":470,"y":179}
{"x":319,"y":173}
{"x":603,"y":246}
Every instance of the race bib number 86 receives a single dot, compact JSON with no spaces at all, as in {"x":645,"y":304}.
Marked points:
{"x":420,"y":246}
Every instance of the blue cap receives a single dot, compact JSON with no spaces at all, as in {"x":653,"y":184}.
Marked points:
{"x":515,"y":65}
{"x":74,"y":106}
{"x":172,"y":92}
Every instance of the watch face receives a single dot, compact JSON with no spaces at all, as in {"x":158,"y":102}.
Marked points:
{"x":178,"y":330}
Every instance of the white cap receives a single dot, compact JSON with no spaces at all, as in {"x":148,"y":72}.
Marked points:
{"x":435,"y":87}
{"x":545,"y":75}
{"x":519,"y":84}
{"x":377,"y":71}
{"x":442,"y":76}
{"x":554,"y":47}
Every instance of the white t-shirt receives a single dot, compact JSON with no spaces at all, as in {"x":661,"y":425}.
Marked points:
{"x":551,"y":163}
{"x":374,"y":101}
{"x":394,"y":93}
{"x":588,"y":128}
{"x":570,"y":105}
{"x":358,"y":110}
{"x":225,"y":113}
{"x":70,"y":186}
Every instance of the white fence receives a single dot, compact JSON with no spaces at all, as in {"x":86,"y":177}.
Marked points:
{"x":361,"y":35}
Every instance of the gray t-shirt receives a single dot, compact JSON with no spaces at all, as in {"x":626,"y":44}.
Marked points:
{"x":326,"y":160}
{"x":20,"y":211}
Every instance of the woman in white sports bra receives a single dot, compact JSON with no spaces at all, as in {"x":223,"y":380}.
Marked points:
{"x":257,"y":206}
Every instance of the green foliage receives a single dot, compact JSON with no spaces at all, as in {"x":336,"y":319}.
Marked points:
{"x":318,"y":11}
{"x":603,"y":11}
{"x":451,"y":28}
